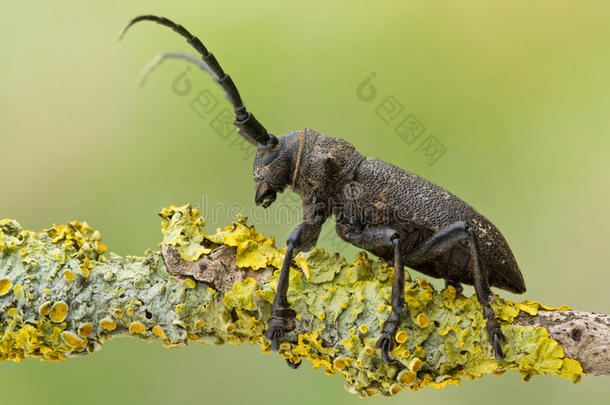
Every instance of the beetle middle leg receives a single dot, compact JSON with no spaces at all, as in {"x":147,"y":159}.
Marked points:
{"x":385,"y":237}
{"x":433,"y":247}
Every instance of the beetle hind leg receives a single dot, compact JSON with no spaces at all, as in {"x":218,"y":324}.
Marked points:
{"x":481,"y":286}
{"x":442,"y":241}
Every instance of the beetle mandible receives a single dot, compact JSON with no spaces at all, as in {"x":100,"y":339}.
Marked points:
{"x":379,"y":207}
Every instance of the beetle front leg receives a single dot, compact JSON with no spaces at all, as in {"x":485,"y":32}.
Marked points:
{"x":282,"y":316}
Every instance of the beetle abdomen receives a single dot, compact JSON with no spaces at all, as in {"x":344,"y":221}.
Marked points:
{"x":391,"y":196}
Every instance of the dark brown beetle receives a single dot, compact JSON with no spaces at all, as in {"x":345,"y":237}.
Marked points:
{"x":379,"y":207}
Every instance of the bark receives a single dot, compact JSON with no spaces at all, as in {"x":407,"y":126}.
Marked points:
{"x":61,"y":296}
{"x":584,"y":336}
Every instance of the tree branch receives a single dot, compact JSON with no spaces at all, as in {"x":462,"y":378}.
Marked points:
{"x":61,"y":297}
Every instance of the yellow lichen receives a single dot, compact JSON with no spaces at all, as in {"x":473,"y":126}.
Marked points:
{"x":108,"y":324}
{"x":137,"y":327}
{"x":395,"y":389}
{"x":72,"y":339}
{"x":69,"y":276}
{"x":242,"y":295}
{"x":59,"y":311}
{"x":19,"y":292}
{"x":190,"y":283}
{"x":415,"y":364}
{"x":339,"y":363}
{"x":13,"y":312}
{"x":406,"y":376}
{"x":84,"y":270}
{"x":422,"y":320}
{"x":181,"y":226}
{"x":45,"y":308}
{"x":85,"y":329}
{"x":157,"y":330}
{"x":363,"y":328}
{"x":5,"y":286}
{"x":401,"y":336}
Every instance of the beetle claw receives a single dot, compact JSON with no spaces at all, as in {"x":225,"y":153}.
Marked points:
{"x":496,"y":338}
{"x":280,"y":324}
{"x":386,"y":344}
{"x":292,"y":365}
{"x":274,"y":334}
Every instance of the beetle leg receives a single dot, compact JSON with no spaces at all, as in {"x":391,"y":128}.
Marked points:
{"x":378,"y":237}
{"x":442,"y":241}
{"x":386,"y":340}
{"x":282,"y":316}
{"x":458,"y":287}
{"x":481,"y":287}
{"x":292,"y":365}
{"x":438,"y":243}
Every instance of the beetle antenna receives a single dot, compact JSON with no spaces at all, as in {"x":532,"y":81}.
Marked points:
{"x":248,"y":126}
{"x":152,"y":65}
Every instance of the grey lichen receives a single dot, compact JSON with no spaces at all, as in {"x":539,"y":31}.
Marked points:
{"x":61,"y":297}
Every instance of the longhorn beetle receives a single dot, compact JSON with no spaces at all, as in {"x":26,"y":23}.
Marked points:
{"x":379,"y":207}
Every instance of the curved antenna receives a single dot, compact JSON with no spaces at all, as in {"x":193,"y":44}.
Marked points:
{"x":248,"y":126}
{"x":152,"y":65}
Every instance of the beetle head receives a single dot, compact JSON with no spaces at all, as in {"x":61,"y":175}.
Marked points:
{"x":271,"y":170}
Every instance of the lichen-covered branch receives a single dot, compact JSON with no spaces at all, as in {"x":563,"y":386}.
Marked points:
{"x":60,"y":297}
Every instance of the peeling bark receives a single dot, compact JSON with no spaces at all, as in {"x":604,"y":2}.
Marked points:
{"x":584,"y":336}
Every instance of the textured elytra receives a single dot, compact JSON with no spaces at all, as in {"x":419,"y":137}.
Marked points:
{"x":340,"y":308}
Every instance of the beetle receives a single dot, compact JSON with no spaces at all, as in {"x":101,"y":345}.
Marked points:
{"x":381,"y":208}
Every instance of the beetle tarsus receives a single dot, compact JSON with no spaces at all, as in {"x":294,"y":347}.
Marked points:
{"x":292,"y":365}
{"x":386,"y":340}
{"x":458,"y":287}
{"x":496,"y":339}
{"x":281,"y":322}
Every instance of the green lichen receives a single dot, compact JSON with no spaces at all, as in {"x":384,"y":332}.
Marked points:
{"x":340,"y":308}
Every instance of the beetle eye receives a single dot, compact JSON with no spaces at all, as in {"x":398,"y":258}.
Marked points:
{"x":270,"y":157}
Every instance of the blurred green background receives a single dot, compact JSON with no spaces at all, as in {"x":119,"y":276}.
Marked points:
{"x":517,"y":92}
